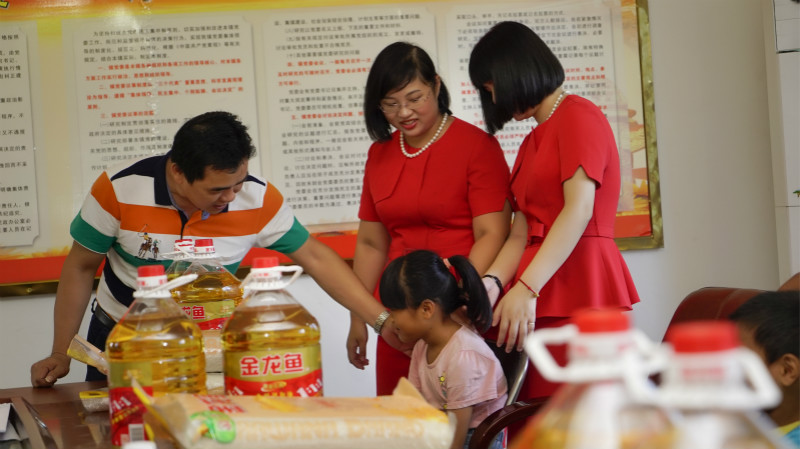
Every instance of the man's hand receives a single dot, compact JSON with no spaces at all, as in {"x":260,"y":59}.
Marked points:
{"x":357,"y":343}
{"x":46,"y":372}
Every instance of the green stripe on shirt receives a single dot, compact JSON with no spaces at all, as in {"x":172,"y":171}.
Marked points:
{"x":292,"y":240}
{"x":90,"y":237}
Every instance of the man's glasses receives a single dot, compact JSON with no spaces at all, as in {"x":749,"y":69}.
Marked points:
{"x":393,"y":107}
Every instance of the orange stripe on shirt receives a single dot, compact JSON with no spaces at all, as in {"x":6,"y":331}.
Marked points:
{"x":234,"y":223}
{"x":163,"y":220}
{"x":103,"y":193}
{"x":159,"y":220}
{"x":241,"y":222}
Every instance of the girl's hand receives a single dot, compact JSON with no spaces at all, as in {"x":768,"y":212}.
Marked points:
{"x":516,"y":315}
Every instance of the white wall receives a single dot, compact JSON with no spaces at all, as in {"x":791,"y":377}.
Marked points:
{"x":716,"y":186}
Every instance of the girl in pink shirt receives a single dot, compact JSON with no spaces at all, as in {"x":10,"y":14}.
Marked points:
{"x":451,"y":364}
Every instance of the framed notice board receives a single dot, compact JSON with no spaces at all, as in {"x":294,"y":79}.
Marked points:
{"x":107,"y":81}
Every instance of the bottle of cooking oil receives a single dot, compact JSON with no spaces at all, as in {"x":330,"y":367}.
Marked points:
{"x":593,"y":409}
{"x":211,"y":298}
{"x":156,"y":344}
{"x":718,"y":388}
{"x":271,"y":343}
{"x":181,"y":256}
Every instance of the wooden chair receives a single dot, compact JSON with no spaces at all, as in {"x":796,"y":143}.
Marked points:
{"x":488,"y":429}
{"x":515,"y":368}
{"x":711,"y":303}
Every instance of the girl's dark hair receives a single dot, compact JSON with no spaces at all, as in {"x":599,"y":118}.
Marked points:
{"x":213,"y":139}
{"x":520,"y":65}
{"x":420,"y":275}
{"x":395,"y":66}
{"x":773,"y":317}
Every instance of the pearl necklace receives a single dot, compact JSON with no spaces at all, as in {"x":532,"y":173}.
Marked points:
{"x":558,"y":102}
{"x":433,"y":139}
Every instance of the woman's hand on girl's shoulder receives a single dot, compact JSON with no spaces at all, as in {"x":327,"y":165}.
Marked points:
{"x":515,"y":315}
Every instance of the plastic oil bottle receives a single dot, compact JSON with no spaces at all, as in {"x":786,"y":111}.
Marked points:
{"x":158,"y":345}
{"x":717,"y":386}
{"x":181,"y":256}
{"x":593,"y":409}
{"x":210,"y":299}
{"x":271,"y":343}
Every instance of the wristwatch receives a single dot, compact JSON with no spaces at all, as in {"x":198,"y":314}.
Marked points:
{"x":380,"y":321}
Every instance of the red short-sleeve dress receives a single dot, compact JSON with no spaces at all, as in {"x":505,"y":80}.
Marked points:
{"x":595,"y":274}
{"x":428,"y":202}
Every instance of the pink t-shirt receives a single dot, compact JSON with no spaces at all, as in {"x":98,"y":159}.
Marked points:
{"x":466,"y":373}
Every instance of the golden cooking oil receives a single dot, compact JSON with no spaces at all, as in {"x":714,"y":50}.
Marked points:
{"x":181,"y":256}
{"x":271,"y":344}
{"x":211,"y":298}
{"x":156,"y":344}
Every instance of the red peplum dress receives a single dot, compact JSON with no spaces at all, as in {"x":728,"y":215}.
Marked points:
{"x":595,"y":274}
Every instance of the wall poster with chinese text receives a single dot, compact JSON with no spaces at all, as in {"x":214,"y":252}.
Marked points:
{"x":105,"y":82}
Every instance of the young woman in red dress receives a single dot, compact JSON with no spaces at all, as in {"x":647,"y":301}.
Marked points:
{"x":435,"y":183}
{"x":560,"y":256}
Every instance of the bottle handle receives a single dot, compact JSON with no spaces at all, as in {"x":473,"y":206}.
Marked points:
{"x":158,"y":291}
{"x":535,"y":346}
{"x":765,"y":392}
{"x":635,"y":375}
{"x":639,"y":358}
{"x":297,"y":271}
{"x":254,"y":281}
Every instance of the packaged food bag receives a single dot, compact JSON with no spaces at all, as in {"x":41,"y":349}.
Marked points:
{"x":403,"y":420}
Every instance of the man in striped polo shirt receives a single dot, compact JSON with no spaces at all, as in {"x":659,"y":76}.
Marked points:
{"x":200,"y":189}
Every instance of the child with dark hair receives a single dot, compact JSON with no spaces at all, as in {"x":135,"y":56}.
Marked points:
{"x":451,"y":364}
{"x":769,"y":324}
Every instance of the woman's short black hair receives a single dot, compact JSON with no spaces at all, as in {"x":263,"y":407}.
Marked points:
{"x":521,"y":67}
{"x":213,"y":139}
{"x":395,"y":66}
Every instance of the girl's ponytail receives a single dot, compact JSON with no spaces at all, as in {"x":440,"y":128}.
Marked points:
{"x":473,"y":293}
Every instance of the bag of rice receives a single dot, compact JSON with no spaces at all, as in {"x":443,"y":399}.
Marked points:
{"x":403,"y":420}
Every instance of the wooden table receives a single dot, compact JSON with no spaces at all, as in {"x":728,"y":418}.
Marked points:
{"x":63,"y":421}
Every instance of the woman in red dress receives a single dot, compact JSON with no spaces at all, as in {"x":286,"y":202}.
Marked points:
{"x":560,"y":256}
{"x":435,"y":183}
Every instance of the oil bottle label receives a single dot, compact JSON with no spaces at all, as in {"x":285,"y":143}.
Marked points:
{"x":285,"y":372}
{"x":210,"y":315}
{"x":125,"y":408}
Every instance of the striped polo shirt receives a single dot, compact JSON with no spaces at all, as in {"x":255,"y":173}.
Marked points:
{"x":129,"y":217}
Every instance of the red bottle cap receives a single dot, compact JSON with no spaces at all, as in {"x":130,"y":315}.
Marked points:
{"x":703,"y":336}
{"x":146,"y":271}
{"x":265,"y":262}
{"x":602,"y":320}
{"x":204,"y":242}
